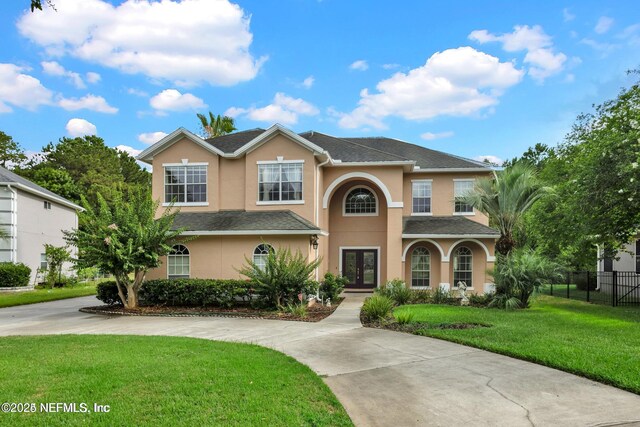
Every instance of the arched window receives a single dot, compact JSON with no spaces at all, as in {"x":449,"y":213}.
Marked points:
{"x":260,"y":254}
{"x":420,"y":267}
{"x":360,"y":201}
{"x":463,"y":267}
{"x":178,"y":264}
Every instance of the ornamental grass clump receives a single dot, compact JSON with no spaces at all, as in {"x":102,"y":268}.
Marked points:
{"x":377,"y":308}
{"x":397,"y":290}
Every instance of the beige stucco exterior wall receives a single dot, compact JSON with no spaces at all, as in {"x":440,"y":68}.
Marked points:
{"x":185,"y":149}
{"x":217,"y":257}
{"x":36,"y":226}
{"x":281,"y":146}
{"x":231,"y":183}
{"x":357,"y":231}
{"x":441,"y":193}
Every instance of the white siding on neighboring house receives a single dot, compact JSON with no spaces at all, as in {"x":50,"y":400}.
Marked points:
{"x":8,"y":223}
{"x":37,"y":226}
{"x":626,"y":259}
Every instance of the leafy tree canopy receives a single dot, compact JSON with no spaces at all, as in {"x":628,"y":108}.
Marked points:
{"x":10,"y":151}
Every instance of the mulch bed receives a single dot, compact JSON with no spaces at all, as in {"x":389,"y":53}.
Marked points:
{"x":314,"y":314}
{"x":414,"y":327}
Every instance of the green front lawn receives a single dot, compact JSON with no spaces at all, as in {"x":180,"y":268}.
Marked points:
{"x":9,"y":299}
{"x":161,"y":381}
{"x":598,"y":342}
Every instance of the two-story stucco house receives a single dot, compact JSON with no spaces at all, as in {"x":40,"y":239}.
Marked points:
{"x":32,"y":216}
{"x":374,"y":209}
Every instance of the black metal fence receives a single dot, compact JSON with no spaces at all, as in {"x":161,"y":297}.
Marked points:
{"x":615,"y":288}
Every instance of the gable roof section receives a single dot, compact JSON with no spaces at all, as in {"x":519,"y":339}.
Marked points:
{"x":172,"y":138}
{"x":347,"y":151}
{"x":425,"y":158}
{"x":445,"y":226}
{"x":234,"y":141}
{"x":10,"y":178}
{"x":238,"y":222}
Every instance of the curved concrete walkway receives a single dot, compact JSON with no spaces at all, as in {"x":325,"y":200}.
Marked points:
{"x":383,"y":378}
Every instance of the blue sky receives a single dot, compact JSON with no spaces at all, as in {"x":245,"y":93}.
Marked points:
{"x":469,"y":78}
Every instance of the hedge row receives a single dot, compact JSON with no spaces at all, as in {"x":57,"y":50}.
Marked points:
{"x":183,"y":292}
{"x":14,"y":275}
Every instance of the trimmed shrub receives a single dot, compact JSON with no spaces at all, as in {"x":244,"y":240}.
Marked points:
{"x":377,"y":307}
{"x":483,"y":300}
{"x":183,"y":292}
{"x":397,"y":290}
{"x":420,"y":296}
{"x":195,"y":292}
{"x":332,"y":286}
{"x":107,"y":292}
{"x":14,"y":275}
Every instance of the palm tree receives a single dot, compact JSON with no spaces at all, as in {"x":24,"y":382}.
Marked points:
{"x":505,"y":199}
{"x":216,"y":125}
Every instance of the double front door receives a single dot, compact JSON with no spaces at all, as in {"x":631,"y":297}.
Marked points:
{"x":360,"y":266}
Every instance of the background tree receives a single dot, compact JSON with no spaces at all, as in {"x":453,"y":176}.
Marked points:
{"x":56,"y":257}
{"x":10,"y":151}
{"x":124,"y":239}
{"x":215,"y":125}
{"x":505,"y":199}
{"x":37,"y":4}
{"x":86,"y":166}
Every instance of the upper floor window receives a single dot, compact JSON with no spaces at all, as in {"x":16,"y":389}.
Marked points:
{"x":178,"y":263}
{"x":460,"y":188}
{"x":185,"y":184}
{"x":47,"y":205}
{"x":280,"y":182}
{"x":421,"y":195}
{"x":360,"y":201}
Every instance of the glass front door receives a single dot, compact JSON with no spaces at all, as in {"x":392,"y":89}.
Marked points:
{"x":360,"y":266}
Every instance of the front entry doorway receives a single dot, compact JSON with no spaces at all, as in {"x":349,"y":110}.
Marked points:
{"x":360,"y":266}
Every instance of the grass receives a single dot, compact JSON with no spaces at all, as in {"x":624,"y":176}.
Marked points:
{"x":162,"y":381}
{"x":10,"y":299}
{"x":594,"y":341}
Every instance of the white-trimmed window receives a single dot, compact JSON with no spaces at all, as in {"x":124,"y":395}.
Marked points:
{"x":460,"y":188}
{"x":280,"y":182}
{"x":178,"y":263}
{"x":260,"y":254}
{"x":420,"y":268}
{"x":185,"y":184}
{"x":463,"y":267}
{"x":44,"y":264}
{"x":360,"y":201}
{"x":421,"y":196}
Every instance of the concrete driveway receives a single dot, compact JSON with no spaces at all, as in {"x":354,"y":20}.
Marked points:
{"x":383,"y":378}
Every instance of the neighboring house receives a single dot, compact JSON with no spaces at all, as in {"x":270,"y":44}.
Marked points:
{"x":627,"y":259}
{"x":32,"y":216}
{"x":374,"y":209}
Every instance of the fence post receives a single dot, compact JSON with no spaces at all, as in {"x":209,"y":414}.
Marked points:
{"x":588,"y":285}
{"x":568,"y":283}
{"x":614,"y":284}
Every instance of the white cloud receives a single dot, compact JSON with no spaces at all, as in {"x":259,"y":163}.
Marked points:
{"x":173,"y":100}
{"x":308,"y":82}
{"x":132,"y":151}
{"x":53,"y":68}
{"x":390,"y":66}
{"x":284,"y":109}
{"x":151,"y":137}
{"x":430,"y":136}
{"x":87,"y":102}
{"x":492,"y":159}
{"x":604,"y":24}
{"x":360,"y":65}
{"x":567,"y":15}
{"x":80,"y":127}
{"x":21,"y":90}
{"x":93,"y":77}
{"x":543,"y":61}
{"x":187,"y":42}
{"x":455,"y":82}
{"x":137,"y":92}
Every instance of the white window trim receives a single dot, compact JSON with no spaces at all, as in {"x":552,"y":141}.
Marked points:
{"x":454,"y":197}
{"x":168,"y":255}
{"x":279,"y":202}
{"x":430,"y":213}
{"x":185,"y":164}
{"x":454,"y":285}
{"x":411,"y":269}
{"x":355,"y":187}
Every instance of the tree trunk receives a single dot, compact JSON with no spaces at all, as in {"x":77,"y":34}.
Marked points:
{"x":132,"y":296}
{"x":505,"y":244}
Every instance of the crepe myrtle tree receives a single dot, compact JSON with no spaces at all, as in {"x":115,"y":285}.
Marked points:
{"x":124,"y":239}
